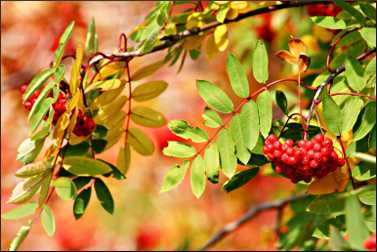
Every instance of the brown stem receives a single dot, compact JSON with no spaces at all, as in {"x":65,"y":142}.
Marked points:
{"x":250,"y":214}
{"x":129,"y":104}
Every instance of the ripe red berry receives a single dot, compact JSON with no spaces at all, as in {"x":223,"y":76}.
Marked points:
{"x":370,"y":244}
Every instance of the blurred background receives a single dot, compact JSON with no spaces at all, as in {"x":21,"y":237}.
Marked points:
{"x":143,"y":218}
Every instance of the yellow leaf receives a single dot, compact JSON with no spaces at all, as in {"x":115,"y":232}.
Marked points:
{"x":147,"y":70}
{"x":149,"y":90}
{"x":232,"y":14}
{"x":113,"y":136}
{"x":140,"y":142}
{"x":111,"y":109}
{"x":73,"y":139}
{"x":111,"y":69}
{"x":296,"y":47}
{"x":147,"y":117}
{"x":106,"y":85}
{"x":106,"y":97}
{"x":311,"y":42}
{"x":238,"y":5}
{"x":73,"y":121}
{"x":75,"y":102}
{"x":211,"y":48}
{"x":334,"y":182}
{"x":194,"y":20}
{"x":61,"y":125}
{"x":75,"y":73}
{"x":124,"y":159}
{"x":221,"y":37}
{"x":286,"y":56}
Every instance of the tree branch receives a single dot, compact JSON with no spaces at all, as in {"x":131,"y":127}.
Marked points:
{"x":174,"y":39}
{"x":250,"y":214}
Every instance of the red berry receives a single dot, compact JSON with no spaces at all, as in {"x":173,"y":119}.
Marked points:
{"x":341,"y":162}
{"x":28,"y":105}
{"x":23,"y":88}
{"x":370,"y":244}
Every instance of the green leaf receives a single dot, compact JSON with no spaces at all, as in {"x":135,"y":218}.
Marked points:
{"x":37,"y":82}
{"x":25,"y":190}
{"x":20,"y":237}
{"x":85,"y":166}
{"x":104,"y":196}
{"x":370,"y":74}
{"x":124,"y":159}
{"x":62,"y":42}
{"x":91,"y":37}
{"x":140,"y":142}
{"x":214,"y":96}
{"x":369,"y":35}
{"x":65,"y":188}
{"x":332,"y":114}
{"x":249,"y":119}
{"x":39,"y":101}
{"x":260,"y":62}
{"x":33,"y":169}
{"x":337,"y":243}
{"x":40,"y":113}
{"x":178,"y":149}
{"x":221,"y":14}
{"x":351,"y":10}
{"x":198,"y":176}
{"x":356,"y":227}
{"x":45,"y":188}
{"x":29,"y":150}
{"x":211,"y":118}
{"x":20,"y":211}
{"x":281,"y":101}
{"x":147,"y":117}
{"x":182,"y":129}
{"x":368,"y":197}
{"x":81,"y":149}
{"x":81,"y":202}
{"x":147,"y":70}
{"x":368,"y":120}
{"x":364,"y":171}
{"x":327,"y":205}
{"x":226,"y":148}
{"x":149,"y":90}
{"x":105,"y":85}
{"x":212,"y":163}
{"x":354,"y":74}
{"x":329,"y":22}
{"x":48,"y":220}
{"x":174,"y":176}
{"x":239,"y":179}
{"x":350,"y":111}
{"x":264,"y":103}
{"x":368,"y":10}
{"x":236,"y":128}
{"x":237,"y":77}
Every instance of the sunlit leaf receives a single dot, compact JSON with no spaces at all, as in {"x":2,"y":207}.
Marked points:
{"x":214,"y":96}
{"x":198,"y":177}
{"x":174,"y":176}
{"x":85,"y":166}
{"x":106,"y":85}
{"x":350,"y":110}
{"x":178,"y":149}
{"x":260,"y":62}
{"x":20,"y":211}
{"x":48,"y":220}
{"x":37,"y":82}
{"x":25,"y":189}
{"x":20,"y":237}
{"x":211,"y":118}
{"x":146,"y":70}
{"x":250,"y":124}
{"x":237,"y":77}
{"x":226,"y":148}
{"x":368,"y":120}
{"x":147,"y":117}
{"x":149,"y":90}
{"x":212,"y":163}
{"x":62,"y":43}
{"x":91,"y":38}
{"x":334,"y":182}
{"x":236,"y":128}
{"x":124,"y":159}
{"x":64,"y":187}
{"x":221,"y":37}
{"x":329,"y":22}
{"x":29,"y":150}
{"x":140,"y":142}
{"x":33,"y":169}
{"x":182,"y":129}
{"x":332,"y":114}
{"x":354,"y":74}
{"x":264,"y":103}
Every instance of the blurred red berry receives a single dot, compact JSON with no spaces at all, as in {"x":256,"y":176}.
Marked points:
{"x":323,"y":10}
{"x":148,"y":237}
{"x":370,"y":244}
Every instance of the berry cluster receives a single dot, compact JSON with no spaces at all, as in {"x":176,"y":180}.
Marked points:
{"x":323,"y":10}
{"x":84,"y":125}
{"x":308,"y":159}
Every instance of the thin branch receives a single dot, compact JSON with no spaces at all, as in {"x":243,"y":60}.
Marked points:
{"x":347,"y":162}
{"x":250,"y":214}
{"x":369,"y":97}
{"x":329,"y":80}
{"x":174,"y":39}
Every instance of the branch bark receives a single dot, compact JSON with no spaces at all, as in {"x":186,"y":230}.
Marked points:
{"x":250,"y":214}
{"x":174,"y":39}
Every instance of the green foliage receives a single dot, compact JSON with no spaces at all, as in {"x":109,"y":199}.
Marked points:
{"x":20,"y":211}
{"x":65,"y":188}
{"x":214,"y":96}
{"x":81,"y":202}
{"x":237,"y":77}
{"x":260,"y":62}
{"x":48,"y":220}
{"x":174,"y":176}
{"x":104,"y":195}
{"x":332,"y":114}
{"x":239,"y":179}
